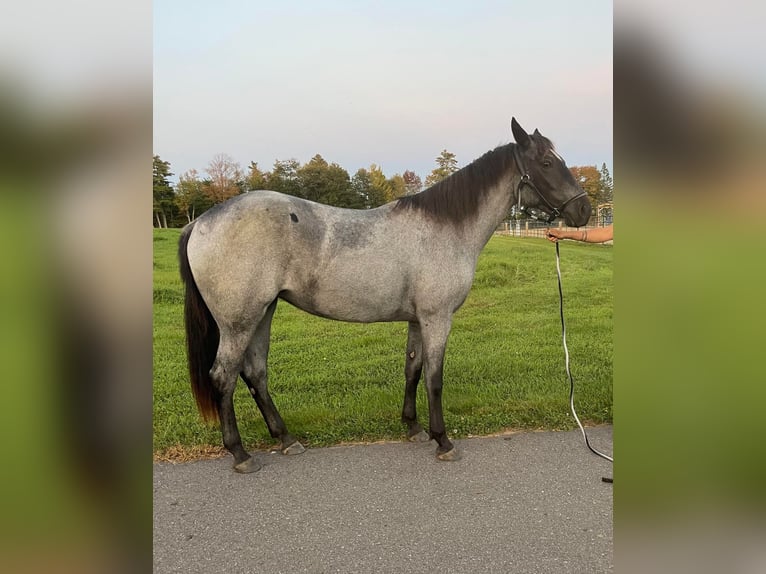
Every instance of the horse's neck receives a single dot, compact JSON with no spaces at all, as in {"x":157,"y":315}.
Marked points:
{"x":496,"y":205}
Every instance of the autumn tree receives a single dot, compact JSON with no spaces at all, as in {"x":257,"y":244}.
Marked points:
{"x":162,"y":191}
{"x":412,"y":182}
{"x":397,"y":186}
{"x":446,"y":165}
{"x":191,"y":197}
{"x":589,"y":178}
{"x":225,"y":176}
{"x":380,"y":188}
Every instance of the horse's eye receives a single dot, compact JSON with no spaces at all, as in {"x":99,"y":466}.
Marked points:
{"x":546,"y":163}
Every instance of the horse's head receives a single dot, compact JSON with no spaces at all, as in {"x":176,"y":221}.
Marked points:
{"x":547,"y":189}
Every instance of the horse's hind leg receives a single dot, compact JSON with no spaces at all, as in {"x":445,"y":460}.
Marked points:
{"x":255,"y":375}
{"x":226,"y":367}
{"x":413,"y":367}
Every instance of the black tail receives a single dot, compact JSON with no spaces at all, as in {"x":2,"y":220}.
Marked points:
{"x":201,"y":337}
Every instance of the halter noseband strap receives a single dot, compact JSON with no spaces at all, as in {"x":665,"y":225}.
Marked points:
{"x":527,"y":180}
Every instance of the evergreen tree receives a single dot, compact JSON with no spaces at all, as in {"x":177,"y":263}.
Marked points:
{"x":446,"y":165}
{"x":607,"y":185}
{"x":284,"y":177}
{"x":361,"y":187}
{"x":162,"y":190}
{"x":326,"y":183}
{"x":256,"y":179}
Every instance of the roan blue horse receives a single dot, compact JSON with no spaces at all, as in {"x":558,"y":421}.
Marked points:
{"x":410,"y":260}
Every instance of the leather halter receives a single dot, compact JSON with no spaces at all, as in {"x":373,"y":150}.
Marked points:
{"x":527,"y":180}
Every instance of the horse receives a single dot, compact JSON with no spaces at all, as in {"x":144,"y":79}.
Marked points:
{"x":412,"y":260}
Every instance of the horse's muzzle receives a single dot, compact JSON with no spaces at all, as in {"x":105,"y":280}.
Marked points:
{"x":577,"y":213}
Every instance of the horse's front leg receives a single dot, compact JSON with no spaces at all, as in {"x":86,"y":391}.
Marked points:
{"x":413,"y":367}
{"x":434,"y":333}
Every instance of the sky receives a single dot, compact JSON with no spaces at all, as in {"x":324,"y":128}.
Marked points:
{"x":391,"y":83}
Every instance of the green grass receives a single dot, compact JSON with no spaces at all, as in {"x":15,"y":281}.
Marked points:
{"x":339,"y":382}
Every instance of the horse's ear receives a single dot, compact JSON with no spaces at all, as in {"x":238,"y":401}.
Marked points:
{"x":537,"y":132}
{"x":521,"y":137}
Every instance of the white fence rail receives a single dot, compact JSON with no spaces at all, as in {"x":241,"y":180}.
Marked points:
{"x":534,"y":228}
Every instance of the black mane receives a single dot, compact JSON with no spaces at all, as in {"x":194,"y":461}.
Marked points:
{"x":460,"y":195}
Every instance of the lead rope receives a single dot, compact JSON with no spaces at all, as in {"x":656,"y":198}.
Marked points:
{"x":569,"y":373}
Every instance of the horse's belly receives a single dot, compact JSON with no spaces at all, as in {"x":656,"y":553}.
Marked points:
{"x":357,"y":300}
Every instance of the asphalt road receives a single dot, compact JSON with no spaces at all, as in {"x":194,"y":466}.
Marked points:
{"x":530,"y":503}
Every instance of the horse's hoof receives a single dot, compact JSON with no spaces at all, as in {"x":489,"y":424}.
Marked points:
{"x":247,"y":466}
{"x":294,"y":448}
{"x":421,"y":436}
{"x":449,"y":456}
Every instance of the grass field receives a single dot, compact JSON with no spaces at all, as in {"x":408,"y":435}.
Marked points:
{"x":339,"y":382}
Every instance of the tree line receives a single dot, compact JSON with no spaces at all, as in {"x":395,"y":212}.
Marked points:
{"x":316,"y":180}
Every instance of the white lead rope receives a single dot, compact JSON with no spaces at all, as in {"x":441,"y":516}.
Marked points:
{"x":569,"y":373}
